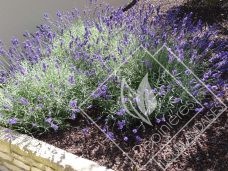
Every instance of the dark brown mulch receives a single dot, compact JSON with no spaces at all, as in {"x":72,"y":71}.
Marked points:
{"x":210,"y":152}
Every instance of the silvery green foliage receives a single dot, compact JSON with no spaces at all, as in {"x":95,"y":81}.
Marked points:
{"x":56,"y":68}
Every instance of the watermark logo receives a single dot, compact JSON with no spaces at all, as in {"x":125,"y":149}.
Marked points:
{"x":142,"y":101}
{"x":143,"y":98}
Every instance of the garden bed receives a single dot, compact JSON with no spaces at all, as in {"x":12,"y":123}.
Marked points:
{"x":116,"y":86}
{"x":208,"y":153}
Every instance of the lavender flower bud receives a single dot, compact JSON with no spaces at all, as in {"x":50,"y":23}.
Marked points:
{"x":12,"y":121}
{"x":24,"y":101}
{"x":73,"y":104}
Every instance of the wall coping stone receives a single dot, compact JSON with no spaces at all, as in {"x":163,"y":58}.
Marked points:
{"x":46,"y":155}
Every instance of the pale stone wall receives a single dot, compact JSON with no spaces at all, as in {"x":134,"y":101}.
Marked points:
{"x":23,"y":153}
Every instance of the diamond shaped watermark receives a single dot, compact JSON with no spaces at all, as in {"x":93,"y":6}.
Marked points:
{"x":210,"y":117}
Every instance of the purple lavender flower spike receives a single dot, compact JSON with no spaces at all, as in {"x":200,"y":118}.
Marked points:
{"x":59,"y":14}
{"x":158,"y":120}
{"x":3,"y":76}
{"x":104,"y":88}
{"x":24,"y":101}
{"x":23,"y":71}
{"x":170,"y":58}
{"x":176,"y":100}
{"x":121,"y":124}
{"x":121,"y":112}
{"x":54,"y":126}
{"x":44,"y":67}
{"x":71,"y":80}
{"x":7,"y":107}
{"x":73,"y":104}
{"x":198,"y":110}
{"x":138,"y":139}
{"x":110,"y":135}
{"x":49,"y":120}
{"x":136,"y":99}
{"x":214,"y":87}
{"x":12,"y":121}
{"x":174,"y":72}
{"x":125,"y":138}
{"x":15,"y":42}
{"x":134,"y":131}
{"x":187,"y":72}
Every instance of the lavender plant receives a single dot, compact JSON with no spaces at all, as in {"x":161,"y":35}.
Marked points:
{"x":55,"y":69}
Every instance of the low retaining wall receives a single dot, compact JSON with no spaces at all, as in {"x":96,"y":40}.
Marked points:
{"x":23,"y":153}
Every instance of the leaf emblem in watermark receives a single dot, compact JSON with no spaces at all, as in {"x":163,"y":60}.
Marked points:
{"x":144,"y":98}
